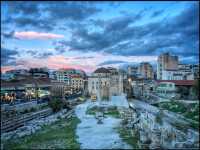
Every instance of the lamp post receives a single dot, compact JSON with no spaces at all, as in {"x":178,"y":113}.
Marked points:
{"x":129,"y":87}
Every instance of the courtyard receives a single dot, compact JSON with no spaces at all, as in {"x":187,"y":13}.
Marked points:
{"x":81,"y":131}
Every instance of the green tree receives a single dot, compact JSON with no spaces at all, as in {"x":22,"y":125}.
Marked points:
{"x":183,"y":91}
{"x":56,"y":104}
{"x":196,"y":88}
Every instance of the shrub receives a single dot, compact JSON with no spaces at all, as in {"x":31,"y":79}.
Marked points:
{"x":159,"y":116}
{"x":66,"y":105}
{"x":26,"y":111}
{"x":32,"y":109}
{"x":105,"y":98}
{"x":56,"y":105}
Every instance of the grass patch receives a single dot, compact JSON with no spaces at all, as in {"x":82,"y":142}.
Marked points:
{"x":125,"y":135}
{"x":93,"y":110}
{"x":173,"y":106}
{"x":60,"y":135}
{"x":110,"y":111}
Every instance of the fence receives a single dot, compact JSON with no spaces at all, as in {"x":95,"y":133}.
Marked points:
{"x":18,"y":121}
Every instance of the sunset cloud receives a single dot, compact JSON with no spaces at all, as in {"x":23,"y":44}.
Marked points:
{"x":37,"y":35}
{"x":6,"y":68}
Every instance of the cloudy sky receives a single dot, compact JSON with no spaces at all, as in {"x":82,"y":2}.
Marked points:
{"x":87,"y":35}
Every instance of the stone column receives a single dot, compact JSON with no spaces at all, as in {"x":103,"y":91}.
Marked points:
{"x":144,"y":140}
{"x":156,"y":137}
{"x":143,"y":136}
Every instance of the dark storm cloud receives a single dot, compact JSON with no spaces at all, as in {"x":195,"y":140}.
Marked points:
{"x":44,"y":55}
{"x":115,"y":30}
{"x":59,"y":46}
{"x":71,"y":10}
{"x":8,"y":56}
{"x":44,"y":15}
{"x":8,"y":35}
{"x":35,"y":23}
{"x":32,"y":52}
{"x":24,"y":8}
{"x":27,"y":14}
{"x":178,"y":34}
{"x":84,"y":57}
{"x":111,"y":62}
{"x":36,"y":54}
{"x":121,"y":22}
{"x":157,"y":13}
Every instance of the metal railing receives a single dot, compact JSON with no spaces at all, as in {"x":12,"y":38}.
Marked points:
{"x":18,"y":121}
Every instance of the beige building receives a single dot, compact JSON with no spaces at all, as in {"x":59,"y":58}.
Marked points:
{"x":105,"y":82}
{"x":166,"y":62}
{"x":59,"y":89}
{"x":77,"y":82}
{"x":146,"y":70}
{"x":71,"y":77}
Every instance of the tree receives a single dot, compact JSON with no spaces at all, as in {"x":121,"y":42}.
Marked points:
{"x":196,"y":88}
{"x":183,"y":91}
{"x":56,"y":104}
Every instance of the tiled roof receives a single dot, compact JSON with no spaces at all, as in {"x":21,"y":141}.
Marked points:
{"x":28,"y":80}
{"x":102,"y":70}
{"x":178,"y":82}
{"x":75,"y":76}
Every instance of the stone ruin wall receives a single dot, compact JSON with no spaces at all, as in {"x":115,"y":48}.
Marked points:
{"x":155,"y":135}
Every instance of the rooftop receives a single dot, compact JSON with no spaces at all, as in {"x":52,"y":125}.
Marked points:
{"x":102,"y":70}
{"x":28,"y":80}
{"x":178,"y":82}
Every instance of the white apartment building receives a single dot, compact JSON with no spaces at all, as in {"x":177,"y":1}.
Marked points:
{"x":63,"y":76}
{"x":190,"y":68}
{"x":177,"y":75}
{"x":166,"y":62}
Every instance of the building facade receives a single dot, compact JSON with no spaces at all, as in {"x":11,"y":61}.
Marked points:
{"x":190,"y":69}
{"x":63,"y":76}
{"x":132,"y":70}
{"x":18,"y":72}
{"x":146,"y":70}
{"x":166,"y":62}
{"x":166,"y":89}
{"x":177,"y":75}
{"x":181,"y":89}
{"x":105,"y":82}
{"x":77,"y":82}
